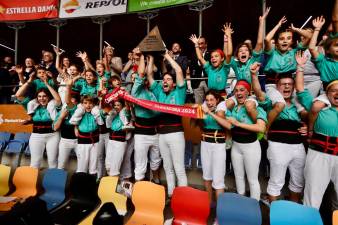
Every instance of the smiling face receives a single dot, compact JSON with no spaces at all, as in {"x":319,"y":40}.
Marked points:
{"x":90,"y":77}
{"x":47,"y":57}
{"x":73,"y":71}
{"x":241,"y":94}
{"x":87,"y":105}
{"x":285,"y":87}
{"x":100,"y":69}
{"x":42,"y":98}
{"x":115,"y":82}
{"x":41,"y":73}
{"x":118,"y":106}
{"x":202,"y":44}
{"x":66,"y":62}
{"x":176,"y":48}
{"x":332,"y":95}
{"x":243,"y":54}
{"x":167,"y":83}
{"x":216,"y":59}
{"x":211,"y":101}
{"x":29,"y":62}
{"x":285,"y":41}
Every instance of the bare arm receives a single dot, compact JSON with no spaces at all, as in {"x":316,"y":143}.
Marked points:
{"x":58,"y":123}
{"x":258,"y":127}
{"x":85,"y":60}
{"x":177,"y":68}
{"x":272,"y":33}
{"x":57,"y":60}
{"x":19,"y":71}
{"x":22,"y":90}
{"x":305,"y":33}
{"x":199,"y":54}
{"x":260,"y":33}
{"x":150,"y":71}
{"x":228,"y":46}
{"x":55,"y":95}
{"x":260,"y":95}
{"x":299,"y":80}
{"x":317,"y":23}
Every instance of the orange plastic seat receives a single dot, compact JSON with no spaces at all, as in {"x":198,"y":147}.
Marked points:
{"x":106,"y":193}
{"x":335,"y":218}
{"x":190,"y":206}
{"x":149,"y":201}
{"x":4,"y":179}
{"x":24,"y":180}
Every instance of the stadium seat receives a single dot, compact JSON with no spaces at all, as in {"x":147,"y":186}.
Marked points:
{"x":335,"y":218}
{"x":236,"y":209}
{"x":24,"y":180}
{"x":83,"y":200}
{"x":186,"y":211}
{"x":149,"y":201}
{"x":108,"y":215}
{"x":54,"y":183}
{"x":4,"y":139}
{"x":4,"y":179}
{"x":291,"y":213}
{"x":106,"y":193}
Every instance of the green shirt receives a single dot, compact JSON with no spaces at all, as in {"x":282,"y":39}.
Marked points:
{"x":210,"y":123}
{"x":289,"y":112}
{"x":70,"y":114}
{"x":99,"y":78}
{"x":281,"y":63}
{"x":241,"y":115}
{"x":175,"y":96}
{"x":41,"y":114}
{"x":327,"y":119}
{"x":116,"y":124}
{"x":242,"y":70}
{"x":23,"y":102}
{"x":217,"y":77}
{"x":327,"y":67}
{"x":84,"y":88}
{"x":139,"y":91}
{"x":38,"y":84}
{"x":87,"y":123}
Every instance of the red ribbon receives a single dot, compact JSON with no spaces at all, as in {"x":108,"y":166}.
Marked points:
{"x":179,"y":110}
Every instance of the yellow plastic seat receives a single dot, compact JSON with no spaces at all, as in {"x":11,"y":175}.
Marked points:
{"x":335,"y":218}
{"x":149,"y":201}
{"x":24,"y":180}
{"x":4,"y":179}
{"x":106,"y":193}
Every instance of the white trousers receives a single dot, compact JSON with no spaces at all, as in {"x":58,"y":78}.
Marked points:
{"x":143,"y":144}
{"x":283,"y":156}
{"x":320,"y":168}
{"x":126,"y":171}
{"x":245,"y":159}
{"x":65,"y":147}
{"x":172,"y":147}
{"x":114,"y":156}
{"x":87,"y":158}
{"x":213,"y":158}
{"x":37,"y":145}
{"x":102,"y":146}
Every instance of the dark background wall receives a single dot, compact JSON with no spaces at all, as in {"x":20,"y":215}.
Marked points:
{"x":176,"y":24}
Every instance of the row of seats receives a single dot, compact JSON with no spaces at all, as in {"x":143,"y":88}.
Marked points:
{"x":88,"y":204}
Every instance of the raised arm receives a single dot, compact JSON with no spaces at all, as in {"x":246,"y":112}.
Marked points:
{"x":260,"y":33}
{"x":58,"y":53}
{"x":199,"y":54}
{"x":55,"y":95}
{"x":272,"y":33}
{"x":305,"y":33}
{"x":22,"y":90}
{"x":299,"y":80}
{"x":260,"y":95}
{"x":19,"y":71}
{"x":318,"y":24}
{"x":84,"y":57}
{"x":58,"y":123}
{"x":258,"y":127}
{"x":142,"y":65}
{"x":177,"y":68}
{"x":228,"y":46}
{"x":219,"y":119}
{"x":150,"y":71}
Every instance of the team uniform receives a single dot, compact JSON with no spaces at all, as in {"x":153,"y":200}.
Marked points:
{"x":171,"y":136}
{"x":84,"y":88}
{"x":88,"y":138}
{"x":68,"y":139}
{"x":117,"y":144}
{"x":146,"y":137}
{"x":246,"y":151}
{"x":322,"y":159}
{"x":286,"y":150}
{"x":217,"y":77}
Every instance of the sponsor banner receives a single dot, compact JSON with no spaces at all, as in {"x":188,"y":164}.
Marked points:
{"x":80,"y":8}
{"x":142,"y":5}
{"x":179,"y":110}
{"x":11,"y":118}
{"x":14,"y":10}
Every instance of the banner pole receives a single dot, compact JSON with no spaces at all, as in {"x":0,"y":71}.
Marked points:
{"x":57,"y":23}
{"x":148,"y":16}
{"x":101,"y":20}
{"x":200,"y":6}
{"x":16,"y":27}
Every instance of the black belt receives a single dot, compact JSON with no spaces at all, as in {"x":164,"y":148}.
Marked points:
{"x":42,"y":127}
{"x":117,"y":135}
{"x":89,"y":137}
{"x":325,"y":144}
{"x":241,"y":135}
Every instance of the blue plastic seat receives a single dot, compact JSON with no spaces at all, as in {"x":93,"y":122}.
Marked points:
{"x":4,"y":139}
{"x":291,"y":213}
{"x":15,"y":147}
{"x":236,"y":209}
{"x":54,"y":183}
{"x":22,"y":137}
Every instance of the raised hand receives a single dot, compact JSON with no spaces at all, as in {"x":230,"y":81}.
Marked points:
{"x":227,"y":29}
{"x":205,"y":109}
{"x":18,"y":69}
{"x":233,"y":121}
{"x":254,"y":68}
{"x":194,"y":39}
{"x":301,"y":58}
{"x":282,"y":21}
{"x":82,"y":55}
{"x":318,"y":22}
{"x":57,"y":51}
{"x":263,"y":17}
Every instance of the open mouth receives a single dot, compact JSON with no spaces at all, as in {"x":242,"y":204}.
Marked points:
{"x":286,"y":92}
{"x":165,"y":85}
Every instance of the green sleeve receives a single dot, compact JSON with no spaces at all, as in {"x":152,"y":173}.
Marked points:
{"x":156,"y":89}
{"x":305,"y":99}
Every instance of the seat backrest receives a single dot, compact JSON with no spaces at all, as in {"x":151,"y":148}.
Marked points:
{"x":22,"y":136}
{"x":83,"y":186}
{"x":188,"y":211}
{"x":25,"y":179}
{"x":291,"y":213}
{"x":107,"y":188}
{"x":5,"y":136}
{"x":14,"y":147}
{"x":107,"y":215}
{"x":148,"y":198}
{"x":4,"y":179}
{"x":237,"y":209}
{"x":54,"y":181}
{"x":335,"y":218}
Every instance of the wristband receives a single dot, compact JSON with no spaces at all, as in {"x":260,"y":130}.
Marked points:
{"x":317,"y":29}
{"x":196,"y":46}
